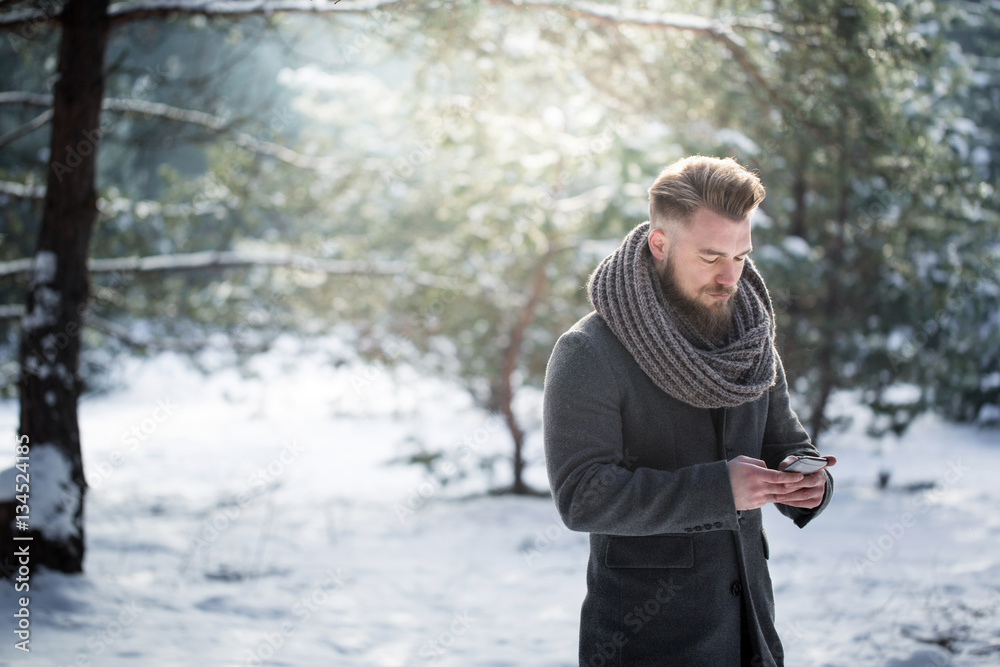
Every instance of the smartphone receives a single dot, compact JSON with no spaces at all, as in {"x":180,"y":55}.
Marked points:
{"x":806,"y":464}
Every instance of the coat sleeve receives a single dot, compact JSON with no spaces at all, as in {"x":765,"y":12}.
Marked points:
{"x":584,"y":453}
{"x":784,"y":436}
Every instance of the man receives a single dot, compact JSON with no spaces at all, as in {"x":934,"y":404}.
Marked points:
{"x":667,"y":426}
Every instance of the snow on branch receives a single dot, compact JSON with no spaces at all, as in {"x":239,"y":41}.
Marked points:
{"x":228,"y":9}
{"x":614,"y":14}
{"x":232,"y":259}
{"x":653,"y":19}
{"x":219,"y":125}
{"x":722,"y":32}
{"x":158,"y":344}
{"x":25,"y":18}
{"x":202,"y":119}
{"x":113,"y":206}
{"x":19,"y":191}
{"x":115,"y":331}
{"x":137,"y":11}
{"x":25,"y":98}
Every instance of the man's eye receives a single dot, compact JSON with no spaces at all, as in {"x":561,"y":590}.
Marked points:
{"x":740,"y":259}
{"x":710,"y":261}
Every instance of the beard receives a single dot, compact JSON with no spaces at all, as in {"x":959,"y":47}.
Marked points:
{"x":713,"y":322}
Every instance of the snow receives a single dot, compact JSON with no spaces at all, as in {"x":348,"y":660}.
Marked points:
{"x":736,"y":138}
{"x":990,"y":381}
{"x":7,"y":484}
{"x":989,"y":414}
{"x":902,"y":394}
{"x":45,"y":268}
{"x":600,"y":248}
{"x":796,"y":246}
{"x":44,"y":310}
{"x":964,"y":126}
{"x":53,"y":500}
{"x":760,"y":219}
{"x":253,"y":521}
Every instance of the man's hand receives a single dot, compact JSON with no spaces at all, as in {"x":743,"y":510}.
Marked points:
{"x":808,"y":493}
{"x":754,"y":485}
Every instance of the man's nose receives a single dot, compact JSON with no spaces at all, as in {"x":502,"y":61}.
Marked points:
{"x":728,"y":275}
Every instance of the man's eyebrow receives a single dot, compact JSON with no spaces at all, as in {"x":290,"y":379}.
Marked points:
{"x":709,"y":251}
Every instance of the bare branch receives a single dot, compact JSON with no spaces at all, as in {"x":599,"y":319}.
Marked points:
{"x":118,"y":332}
{"x":223,"y":9}
{"x":219,"y":125}
{"x":231,"y":259}
{"x":25,"y":98}
{"x":586,"y":199}
{"x":26,"y":129}
{"x":212,"y":123}
{"x":159,"y":344}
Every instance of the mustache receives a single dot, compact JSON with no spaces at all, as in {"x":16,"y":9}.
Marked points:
{"x":728,"y":291}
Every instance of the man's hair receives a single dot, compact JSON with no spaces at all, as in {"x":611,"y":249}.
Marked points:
{"x":695,"y":182}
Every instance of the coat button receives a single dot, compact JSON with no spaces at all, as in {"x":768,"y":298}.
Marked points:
{"x":718,"y":524}
{"x":698,"y":528}
{"x":737,"y":589}
{"x":708,"y":526}
{"x":688,"y":529}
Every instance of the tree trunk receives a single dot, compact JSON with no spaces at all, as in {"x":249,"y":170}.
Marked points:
{"x":506,"y":393}
{"x":787,"y":298}
{"x":832,"y":309}
{"x":57,"y":296}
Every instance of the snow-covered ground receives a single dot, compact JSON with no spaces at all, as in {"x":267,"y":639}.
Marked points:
{"x":237,"y":521}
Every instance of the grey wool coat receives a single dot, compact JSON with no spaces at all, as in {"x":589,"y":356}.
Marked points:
{"x":672,"y":563}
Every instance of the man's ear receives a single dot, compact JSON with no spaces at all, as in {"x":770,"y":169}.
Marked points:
{"x":659,"y":244}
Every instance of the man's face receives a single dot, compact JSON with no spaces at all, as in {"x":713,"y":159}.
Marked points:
{"x":700,"y":264}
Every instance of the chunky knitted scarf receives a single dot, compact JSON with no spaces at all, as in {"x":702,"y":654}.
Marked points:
{"x":626,"y":292}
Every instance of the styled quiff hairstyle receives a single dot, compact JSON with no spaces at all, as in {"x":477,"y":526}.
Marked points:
{"x":695,"y":182}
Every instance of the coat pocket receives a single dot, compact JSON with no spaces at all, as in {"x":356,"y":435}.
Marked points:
{"x":650,"y":551}
{"x":763,"y":540}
